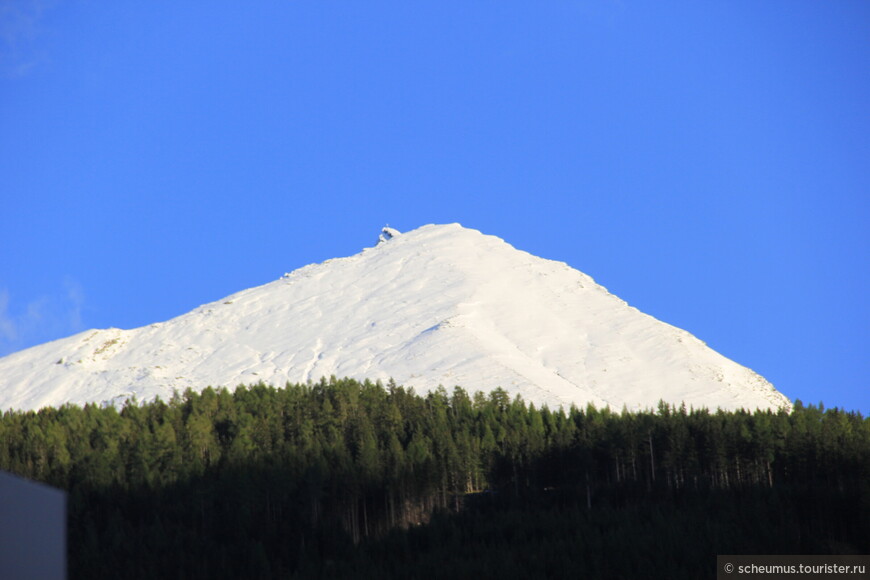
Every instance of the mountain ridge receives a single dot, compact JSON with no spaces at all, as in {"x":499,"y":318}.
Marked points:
{"x":439,"y":305}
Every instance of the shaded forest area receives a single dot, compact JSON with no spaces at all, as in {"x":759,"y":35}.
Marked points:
{"x":356,"y":479}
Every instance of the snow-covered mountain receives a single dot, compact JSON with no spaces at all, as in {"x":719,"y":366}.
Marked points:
{"x":440,"y":305}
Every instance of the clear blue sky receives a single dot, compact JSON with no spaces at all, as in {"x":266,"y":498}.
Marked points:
{"x":708,"y":162}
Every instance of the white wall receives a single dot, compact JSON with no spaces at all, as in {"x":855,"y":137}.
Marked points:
{"x":32,"y":530}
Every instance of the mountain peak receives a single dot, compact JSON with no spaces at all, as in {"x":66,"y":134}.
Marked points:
{"x":438,"y":305}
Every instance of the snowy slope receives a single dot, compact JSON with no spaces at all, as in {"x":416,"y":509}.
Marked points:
{"x":438,"y":305}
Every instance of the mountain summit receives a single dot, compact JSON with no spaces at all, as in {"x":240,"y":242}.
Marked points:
{"x":439,"y":305}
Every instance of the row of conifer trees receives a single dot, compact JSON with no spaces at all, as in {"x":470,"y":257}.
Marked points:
{"x":311,"y":479}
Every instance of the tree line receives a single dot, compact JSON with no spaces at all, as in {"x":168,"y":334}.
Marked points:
{"x":349,"y":478}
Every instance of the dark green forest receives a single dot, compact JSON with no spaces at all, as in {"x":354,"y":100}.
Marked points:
{"x":348,"y":479}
